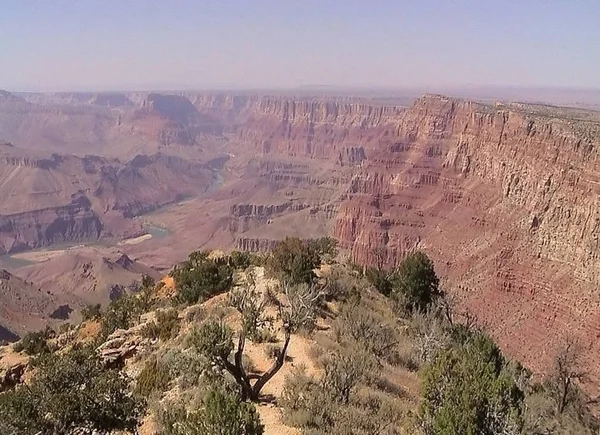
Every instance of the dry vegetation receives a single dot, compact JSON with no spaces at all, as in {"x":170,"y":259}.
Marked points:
{"x":236,"y":347}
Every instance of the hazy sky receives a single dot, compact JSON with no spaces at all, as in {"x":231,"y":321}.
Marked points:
{"x":166,"y":44}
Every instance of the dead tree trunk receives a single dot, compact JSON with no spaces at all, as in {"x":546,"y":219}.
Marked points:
{"x":277,"y":364}
{"x":236,"y":369}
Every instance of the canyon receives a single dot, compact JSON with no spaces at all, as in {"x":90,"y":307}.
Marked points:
{"x":504,"y":197}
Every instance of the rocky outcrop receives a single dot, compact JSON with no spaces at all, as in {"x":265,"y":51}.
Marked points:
{"x":73,"y":222}
{"x":120,"y":346}
{"x":24,"y":306}
{"x":123,"y":344}
{"x":50,"y":199}
{"x":254,"y":245}
{"x":505,"y":201}
{"x":244,"y":217}
{"x":112,"y":100}
{"x":12,"y":376}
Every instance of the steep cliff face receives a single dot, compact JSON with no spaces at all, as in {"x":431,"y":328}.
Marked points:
{"x":70,"y":223}
{"x":148,"y":182}
{"x":317,"y":129}
{"x":48,"y":199}
{"x":24,"y":307}
{"x":503,"y":197}
{"x":505,"y":201}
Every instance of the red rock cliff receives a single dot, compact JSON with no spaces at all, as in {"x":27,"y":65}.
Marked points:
{"x":504,"y":198}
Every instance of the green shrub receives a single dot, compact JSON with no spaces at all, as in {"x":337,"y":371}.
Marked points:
{"x":468,"y":390}
{"x":257,"y":259}
{"x":34,"y":343}
{"x":91,"y":312}
{"x":70,"y":390}
{"x":240,"y":260}
{"x":360,"y":325}
{"x":187,"y":367}
{"x":380,"y":279}
{"x":148,"y":282}
{"x":122,"y":313}
{"x":306,"y":404}
{"x":154,"y":378}
{"x":221,"y":413}
{"x":344,"y":370}
{"x":213,"y":340}
{"x":324,"y":247}
{"x":165,"y":327}
{"x":342,"y":284}
{"x":415,"y":282}
{"x":199,"y":278}
{"x":312,"y":406}
{"x":293,"y":260}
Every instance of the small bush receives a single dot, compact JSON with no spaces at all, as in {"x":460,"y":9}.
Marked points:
{"x":154,"y":378}
{"x":213,"y":339}
{"x":125,"y":311}
{"x":341,"y":284}
{"x":258,"y":259}
{"x":430,"y":335}
{"x":34,"y":343}
{"x":187,"y":367}
{"x":416,"y":283}
{"x":325,"y":247}
{"x":380,"y":279}
{"x":240,"y":260}
{"x":200,"y":277}
{"x":69,"y":390}
{"x":65,"y":328}
{"x":91,"y":312}
{"x":166,"y":326}
{"x":306,"y":404}
{"x":360,"y":325}
{"x":344,"y":370}
{"x":195,"y":314}
{"x":293,"y":261}
{"x":220,"y":413}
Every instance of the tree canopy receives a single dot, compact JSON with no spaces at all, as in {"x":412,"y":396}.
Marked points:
{"x":416,"y":282}
{"x":469,"y":390}
{"x":70,"y":390}
{"x":201,"y":277}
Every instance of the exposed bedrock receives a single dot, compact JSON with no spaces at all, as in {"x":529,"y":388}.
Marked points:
{"x":73,"y":222}
{"x":505,"y":198}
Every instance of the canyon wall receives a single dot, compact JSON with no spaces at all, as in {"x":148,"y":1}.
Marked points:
{"x":504,"y":198}
{"x":73,"y":222}
{"x":52,"y":198}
